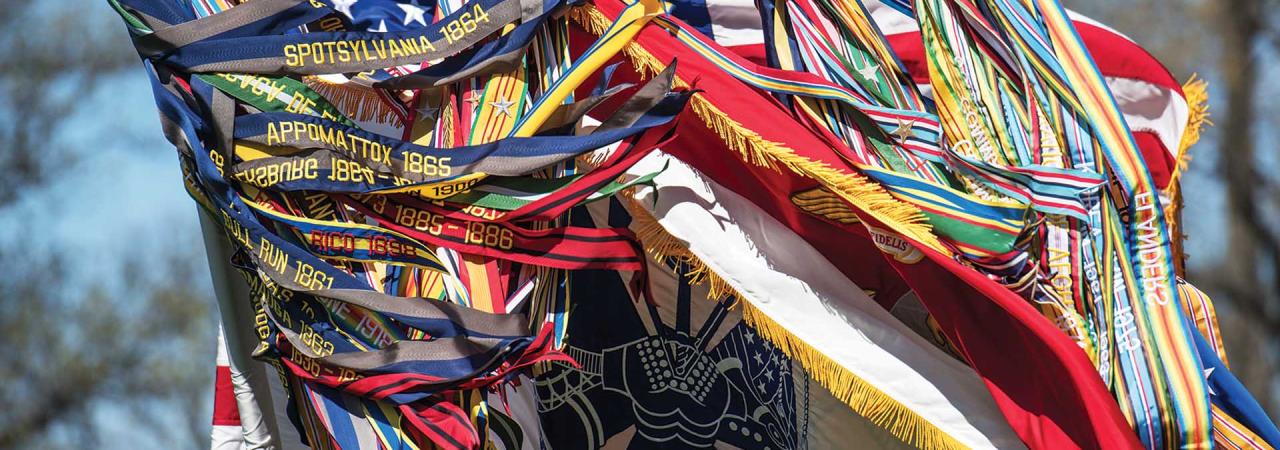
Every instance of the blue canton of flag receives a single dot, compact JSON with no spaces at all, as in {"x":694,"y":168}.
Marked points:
{"x":1226,"y":391}
{"x":386,"y":15}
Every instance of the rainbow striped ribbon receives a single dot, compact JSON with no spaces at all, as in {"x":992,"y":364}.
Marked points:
{"x":1146,"y":239}
{"x":1159,"y":384}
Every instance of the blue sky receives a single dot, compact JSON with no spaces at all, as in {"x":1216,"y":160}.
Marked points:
{"x":122,"y":192}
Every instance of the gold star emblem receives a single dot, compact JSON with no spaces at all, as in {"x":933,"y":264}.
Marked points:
{"x":903,"y":132}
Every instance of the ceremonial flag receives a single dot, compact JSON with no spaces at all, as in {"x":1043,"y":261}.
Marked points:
{"x":860,"y":227}
{"x":799,"y":161}
{"x":795,"y":298}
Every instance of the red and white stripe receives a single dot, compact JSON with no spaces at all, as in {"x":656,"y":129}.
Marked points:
{"x":227,"y":433}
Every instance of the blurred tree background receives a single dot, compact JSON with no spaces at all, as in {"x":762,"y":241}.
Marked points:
{"x":99,"y":343}
{"x":106,"y":314}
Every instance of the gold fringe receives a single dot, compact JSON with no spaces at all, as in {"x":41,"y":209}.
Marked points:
{"x":1196,"y":91}
{"x":863,"y":398}
{"x":663,"y":245}
{"x":593,"y":158}
{"x":856,"y":189}
{"x":353,"y":100}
